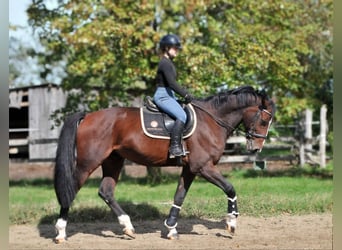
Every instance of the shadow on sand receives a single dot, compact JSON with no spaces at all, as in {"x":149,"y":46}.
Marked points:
{"x":105,"y":221}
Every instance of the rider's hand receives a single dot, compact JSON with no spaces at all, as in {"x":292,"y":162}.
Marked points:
{"x":188,"y":98}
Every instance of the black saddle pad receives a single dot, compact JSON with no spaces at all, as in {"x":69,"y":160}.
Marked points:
{"x":159,"y":125}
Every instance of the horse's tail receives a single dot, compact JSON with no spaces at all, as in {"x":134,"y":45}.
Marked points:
{"x":64,"y":176}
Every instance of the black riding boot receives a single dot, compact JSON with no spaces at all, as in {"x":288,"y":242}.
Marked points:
{"x":176,"y":148}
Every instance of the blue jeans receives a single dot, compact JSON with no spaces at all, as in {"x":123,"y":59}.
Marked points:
{"x":166,"y":101}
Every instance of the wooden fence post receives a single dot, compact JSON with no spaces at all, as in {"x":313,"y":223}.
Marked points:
{"x":301,"y":150}
{"x":308,"y":133}
{"x":305,"y":141}
{"x":301,"y":134}
{"x":322,"y":137}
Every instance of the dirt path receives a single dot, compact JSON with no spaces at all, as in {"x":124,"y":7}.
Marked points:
{"x":281,"y":232}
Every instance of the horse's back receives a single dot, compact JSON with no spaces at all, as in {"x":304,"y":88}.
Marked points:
{"x":99,"y":131}
{"x":112,"y":114}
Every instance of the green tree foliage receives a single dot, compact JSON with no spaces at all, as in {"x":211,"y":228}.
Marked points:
{"x":283,"y":46}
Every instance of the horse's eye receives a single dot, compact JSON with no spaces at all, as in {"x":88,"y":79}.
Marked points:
{"x":264,"y":123}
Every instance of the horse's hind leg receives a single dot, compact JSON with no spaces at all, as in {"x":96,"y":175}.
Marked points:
{"x":111,"y":169}
{"x":61,"y":223}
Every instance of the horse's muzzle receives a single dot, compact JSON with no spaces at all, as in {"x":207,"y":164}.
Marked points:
{"x":254,"y":146}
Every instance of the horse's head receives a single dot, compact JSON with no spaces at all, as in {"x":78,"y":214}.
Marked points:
{"x":244,"y":104}
{"x":257,"y":121}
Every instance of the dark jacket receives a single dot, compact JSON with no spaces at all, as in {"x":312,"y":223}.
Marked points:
{"x":167,"y":75}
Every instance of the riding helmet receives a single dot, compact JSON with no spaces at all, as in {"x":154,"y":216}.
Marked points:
{"x":170,"y":41}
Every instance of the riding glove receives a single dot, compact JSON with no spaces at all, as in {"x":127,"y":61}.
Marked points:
{"x":188,"y":98}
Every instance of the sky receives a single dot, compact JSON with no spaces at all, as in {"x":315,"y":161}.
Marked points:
{"x":29,"y":67}
{"x":17,"y":12}
{"x":18,"y":17}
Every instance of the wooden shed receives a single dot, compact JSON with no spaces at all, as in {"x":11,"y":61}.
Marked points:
{"x":30,"y":128}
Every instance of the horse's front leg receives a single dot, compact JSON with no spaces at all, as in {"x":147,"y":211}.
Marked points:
{"x":184,"y":184}
{"x":213,"y":175}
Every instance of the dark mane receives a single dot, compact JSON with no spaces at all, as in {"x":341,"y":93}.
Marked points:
{"x":241,"y":96}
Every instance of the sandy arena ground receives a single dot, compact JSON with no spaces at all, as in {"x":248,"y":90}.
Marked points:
{"x":281,"y":232}
{"x":312,"y":231}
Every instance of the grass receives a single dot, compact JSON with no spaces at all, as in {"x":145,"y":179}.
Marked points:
{"x":260,"y":193}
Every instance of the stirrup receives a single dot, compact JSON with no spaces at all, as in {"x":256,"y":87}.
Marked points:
{"x":181,"y":154}
{"x":172,"y":156}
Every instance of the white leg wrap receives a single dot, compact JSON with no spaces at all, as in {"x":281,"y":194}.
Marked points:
{"x":168,"y":227}
{"x":177,"y":206}
{"x":173,"y":234}
{"x":125,"y":221}
{"x":60,"y":229}
{"x":232,"y":199}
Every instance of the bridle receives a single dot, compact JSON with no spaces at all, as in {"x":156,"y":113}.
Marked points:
{"x":250,"y":133}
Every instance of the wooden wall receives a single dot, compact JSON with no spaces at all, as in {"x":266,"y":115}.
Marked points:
{"x":42,"y":139}
{"x":36,"y":104}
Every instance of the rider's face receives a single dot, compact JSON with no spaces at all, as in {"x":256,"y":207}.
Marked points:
{"x":173,"y":51}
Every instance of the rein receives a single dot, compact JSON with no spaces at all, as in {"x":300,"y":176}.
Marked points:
{"x":216,"y":119}
{"x":228,"y":126}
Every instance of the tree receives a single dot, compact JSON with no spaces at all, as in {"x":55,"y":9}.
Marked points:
{"x":27,"y":64}
{"x":282,"y":46}
{"x":23,"y":68}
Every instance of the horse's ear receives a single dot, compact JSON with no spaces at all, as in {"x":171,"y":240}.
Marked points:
{"x":266,"y":101}
{"x":262,"y":93}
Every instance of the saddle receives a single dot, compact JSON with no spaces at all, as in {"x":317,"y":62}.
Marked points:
{"x":157,"y":124}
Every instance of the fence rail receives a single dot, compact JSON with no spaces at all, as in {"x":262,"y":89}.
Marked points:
{"x":235,"y":152}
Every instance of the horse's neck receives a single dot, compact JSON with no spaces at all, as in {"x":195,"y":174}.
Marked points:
{"x":229,"y":115}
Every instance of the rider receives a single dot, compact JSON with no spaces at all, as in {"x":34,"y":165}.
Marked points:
{"x":167,"y":86}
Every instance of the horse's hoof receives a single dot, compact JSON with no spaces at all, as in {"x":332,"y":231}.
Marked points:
{"x":59,"y":240}
{"x":230,"y":229}
{"x":173,"y":236}
{"x":130,"y":233}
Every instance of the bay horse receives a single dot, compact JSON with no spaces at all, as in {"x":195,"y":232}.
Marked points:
{"x":109,"y":136}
